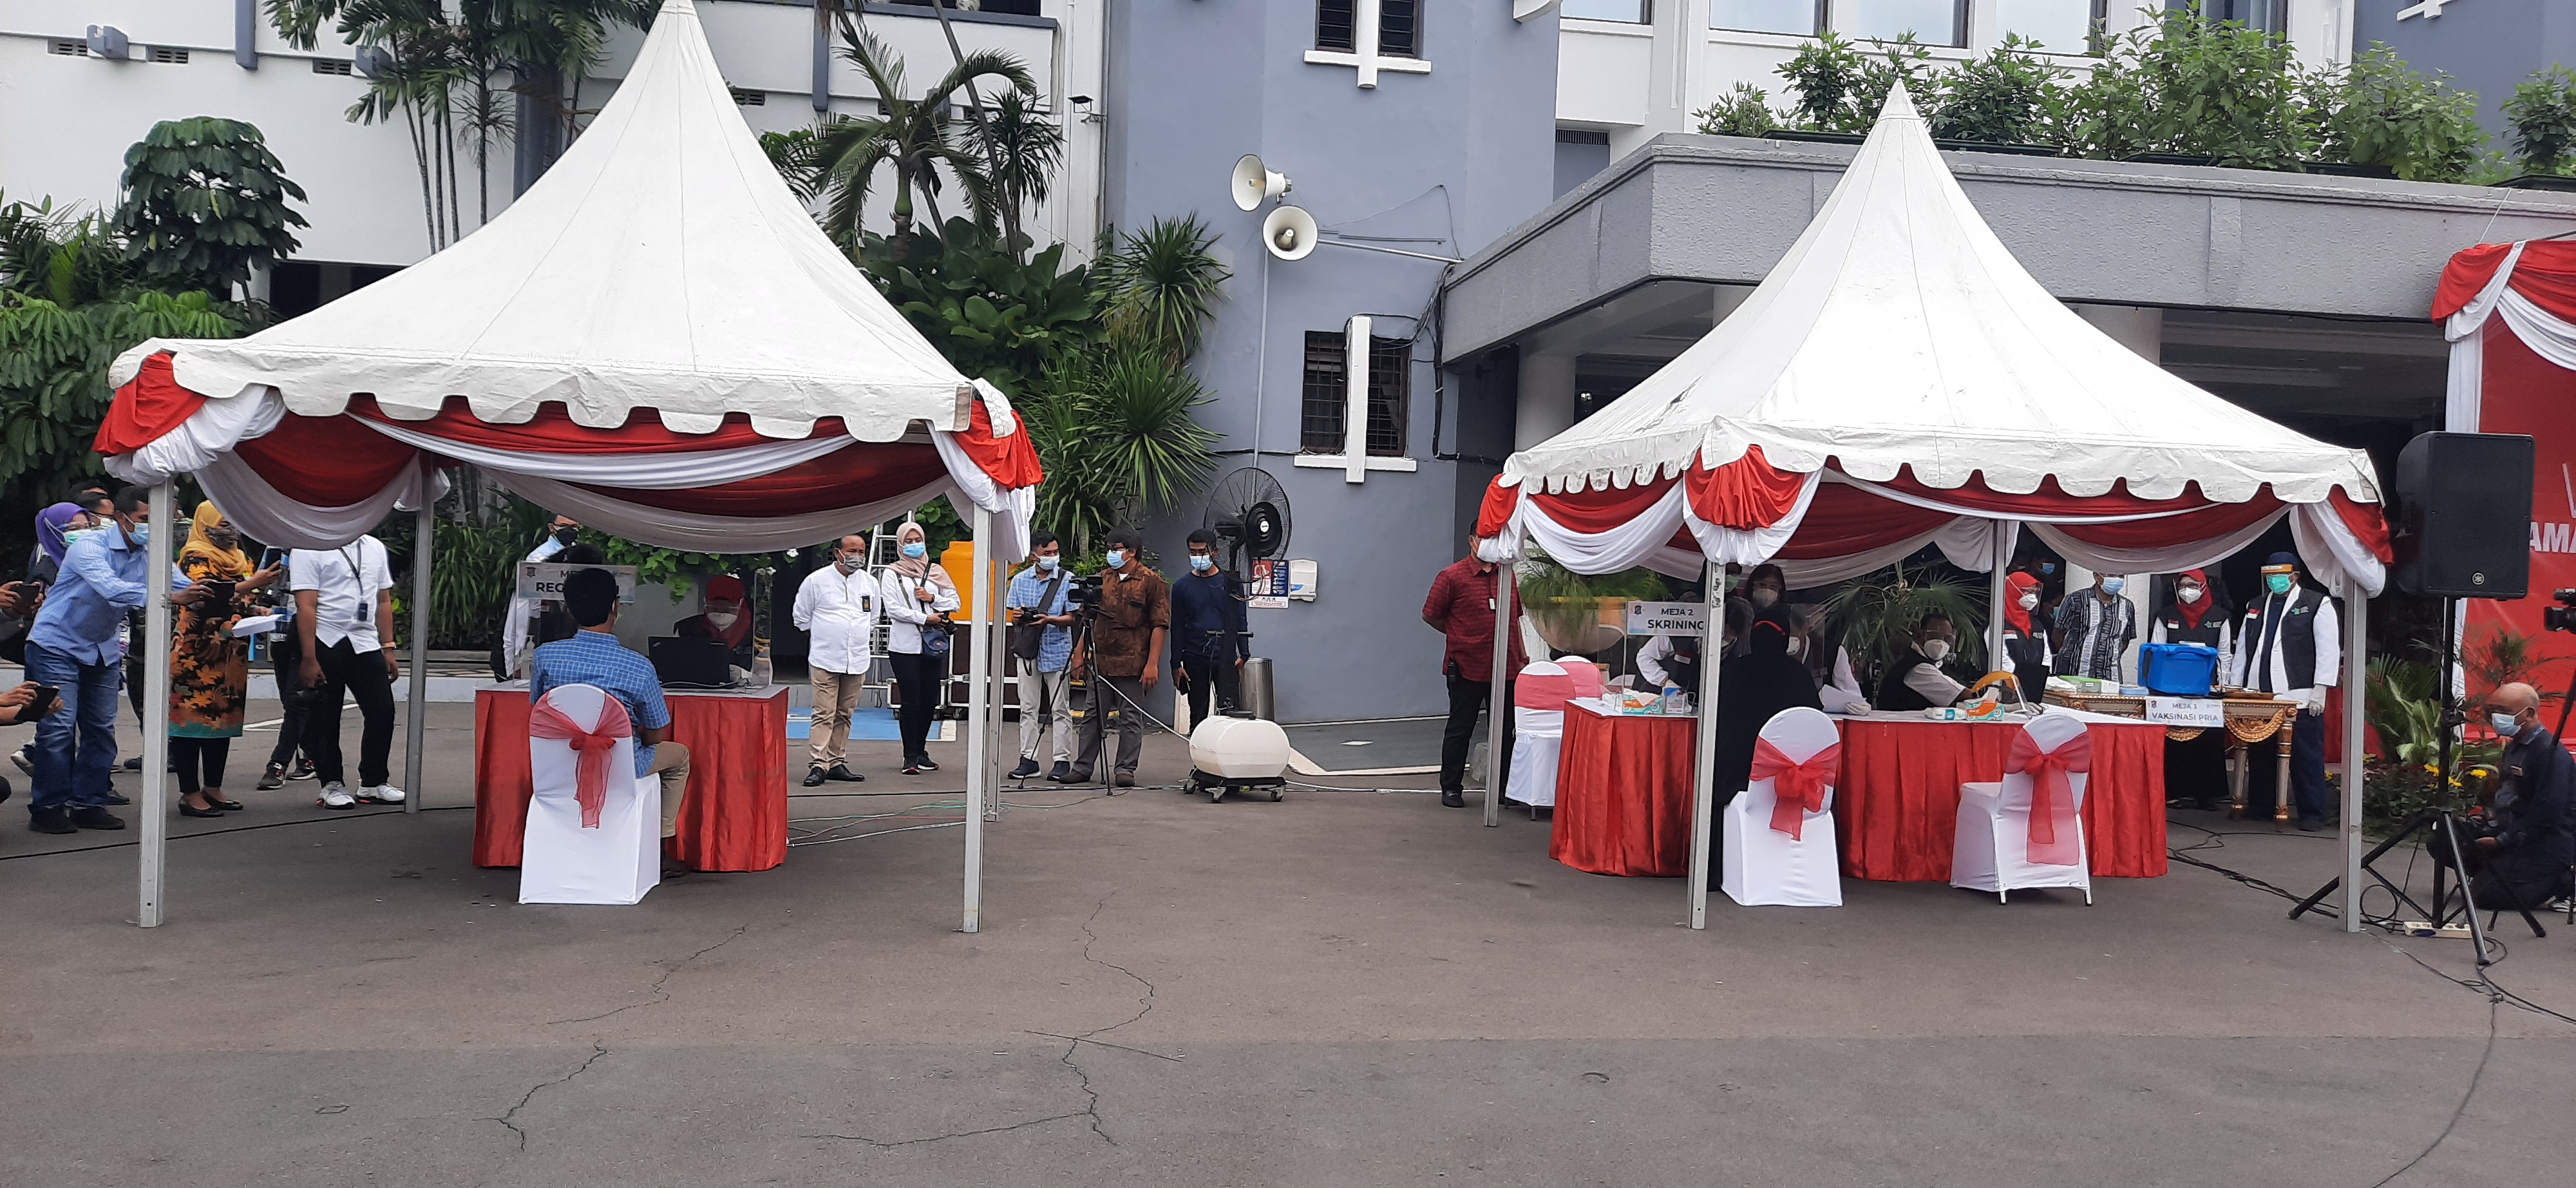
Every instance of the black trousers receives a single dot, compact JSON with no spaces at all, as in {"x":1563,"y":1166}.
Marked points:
{"x":361,"y":675}
{"x":1466,"y":701}
{"x":195,"y":754}
{"x":284,"y":656}
{"x":2307,"y":771}
{"x":916,"y":678}
{"x":1207,"y":677}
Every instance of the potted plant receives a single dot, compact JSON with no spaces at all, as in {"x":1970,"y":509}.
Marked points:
{"x":1584,"y":614}
{"x":2376,"y":118}
{"x":2185,"y":91}
{"x":1874,"y":618}
{"x":2009,"y":100}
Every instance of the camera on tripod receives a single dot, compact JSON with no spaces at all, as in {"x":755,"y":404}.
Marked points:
{"x":1084,"y":593}
{"x":2561,"y":617}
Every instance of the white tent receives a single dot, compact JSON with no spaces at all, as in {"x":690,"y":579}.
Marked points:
{"x":1899,"y":380}
{"x":655,"y":339}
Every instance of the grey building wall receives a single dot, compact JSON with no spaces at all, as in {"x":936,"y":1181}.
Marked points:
{"x":1442,"y":163}
{"x":2487,"y":46}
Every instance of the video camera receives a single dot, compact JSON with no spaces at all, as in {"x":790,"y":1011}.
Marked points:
{"x":1084,"y":593}
{"x":2561,"y":617}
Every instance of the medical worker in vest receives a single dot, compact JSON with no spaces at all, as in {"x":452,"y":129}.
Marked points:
{"x":2290,"y":647}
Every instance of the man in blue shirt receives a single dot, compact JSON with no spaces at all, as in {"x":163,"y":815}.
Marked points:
{"x":594,"y":657}
{"x":1041,"y":601}
{"x":72,"y":647}
{"x":1210,"y":635}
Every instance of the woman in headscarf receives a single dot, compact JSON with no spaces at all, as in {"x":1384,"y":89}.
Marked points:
{"x":721,"y":615}
{"x":918,"y":597}
{"x":2025,"y":644}
{"x":53,"y":528}
{"x":209,"y":669}
{"x":2196,"y":612}
{"x":1750,"y":689}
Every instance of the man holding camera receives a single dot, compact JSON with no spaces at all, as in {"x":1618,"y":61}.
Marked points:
{"x":2528,"y":838}
{"x":2292,"y":649}
{"x":1128,"y":624}
{"x":1041,"y":605}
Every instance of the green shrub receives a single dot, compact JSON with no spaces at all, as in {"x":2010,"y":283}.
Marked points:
{"x":2542,"y":114}
{"x":2010,"y":95}
{"x":2379,"y":112}
{"x":1745,"y":111}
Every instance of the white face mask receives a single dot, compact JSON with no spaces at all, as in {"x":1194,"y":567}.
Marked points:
{"x":1936,"y":650}
{"x":2506,"y":725}
{"x":722,"y":620}
{"x":2188,"y":594}
{"x":2030,"y":602}
{"x":1763,"y":596}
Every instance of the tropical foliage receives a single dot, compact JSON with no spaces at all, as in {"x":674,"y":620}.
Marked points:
{"x":915,"y":137}
{"x":1158,"y":286}
{"x":205,"y":201}
{"x":1875,"y":617}
{"x":988,"y":311}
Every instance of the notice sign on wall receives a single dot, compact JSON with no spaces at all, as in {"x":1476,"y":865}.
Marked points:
{"x":544,"y":580}
{"x":1267,"y":586}
{"x":1667,"y":618}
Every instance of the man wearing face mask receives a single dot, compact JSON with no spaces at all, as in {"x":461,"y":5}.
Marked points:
{"x":1209,"y":631}
{"x":2292,"y":648}
{"x":72,"y":647}
{"x":2527,"y":836}
{"x":839,"y":605}
{"x":513,"y":657}
{"x":2098,"y":626}
{"x":1041,"y":605}
{"x":1915,"y":681}
{"x":1127,"y":634}
{"x":1460,"y":607}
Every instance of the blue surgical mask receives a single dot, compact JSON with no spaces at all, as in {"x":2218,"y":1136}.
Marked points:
{"x":142,"y":535}
{"x":2506,"y":725}
{"x":916,"y":550}
{"x":1049,"y":563}
{"x":2278,"y":583}
{"x":1117,"y":558}
{"x":2112,"y":585}
{"x":1202,"y":564}
{"x":2047,"y":568}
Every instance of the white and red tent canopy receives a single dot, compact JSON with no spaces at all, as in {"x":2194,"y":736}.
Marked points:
{"x":655,"y":339}
{"x":1898,"y":380}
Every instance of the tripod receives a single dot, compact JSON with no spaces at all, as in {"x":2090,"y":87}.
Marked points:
{"x":2435,"y":820}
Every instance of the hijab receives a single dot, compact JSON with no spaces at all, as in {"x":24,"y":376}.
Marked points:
{"x":51,"y":523}
{"x":1754,"y":686}
{"x":922,"y":568}
{"x":2191,"y":613}
{"x":2017,"y":584}
{"x":201,"y":544}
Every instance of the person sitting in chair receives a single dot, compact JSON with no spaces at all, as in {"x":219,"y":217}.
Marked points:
{"x":594,"y":657}
{"x":1915,"y":681}
{"x":2521,"y":857}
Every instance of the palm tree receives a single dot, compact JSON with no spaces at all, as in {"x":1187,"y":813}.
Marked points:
{"x":915,"y":136}
{"x":1158,"y":285}
{"x":1025,"y":151}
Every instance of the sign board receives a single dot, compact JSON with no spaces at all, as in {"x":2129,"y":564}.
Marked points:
{"x":2187,"y":711}
{"x":1667,"y":618}
{"x":1267,"y":585}
{"x":544,"y":580}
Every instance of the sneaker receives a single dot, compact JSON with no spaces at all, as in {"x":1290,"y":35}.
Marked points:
{"x":335,"y":795}
{"x":1027,"y":768}
{"x":1451,"y":799}
{"x":51,"y":821}
{"x":272,"y":779}
{"x":814,"y":777}
{"x":1061,"y":773}
{"x":25,"y":762}
{"x":925,"y":764}
{"x":841,"y":772}
{"x":95,"y":817}
{"x":380,"y":794}
{"x":303,"y":770}
{"x":118,"y":798}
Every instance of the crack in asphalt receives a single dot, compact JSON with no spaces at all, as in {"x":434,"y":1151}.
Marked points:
{"x":510,"y":1119}
{"x":660,"y":995}
{"x":1090,"y":1112}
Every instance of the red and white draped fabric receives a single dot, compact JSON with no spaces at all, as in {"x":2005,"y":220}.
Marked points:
{"x":2510,"y":313}
{"x":317,"y":481}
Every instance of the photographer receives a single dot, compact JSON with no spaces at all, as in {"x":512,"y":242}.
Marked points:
{"x":1041,"y":604}
{"x":1209,"y":632}
{"x":2525,"y":838}
{"x":1128,"y":624}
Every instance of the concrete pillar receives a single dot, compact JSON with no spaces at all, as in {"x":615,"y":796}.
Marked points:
{"x":1546,"y":399}
{"x":2138,"y":327}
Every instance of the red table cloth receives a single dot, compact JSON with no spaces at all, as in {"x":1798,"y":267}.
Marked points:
{"x":1623,"y":793}
{"x":1896,"y":808}
{"x":735,"y":817}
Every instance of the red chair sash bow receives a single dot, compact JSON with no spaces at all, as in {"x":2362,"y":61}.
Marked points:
{"x":1796,"y":788}
{"x":2054,"y":837}
{"x":592,"y":749}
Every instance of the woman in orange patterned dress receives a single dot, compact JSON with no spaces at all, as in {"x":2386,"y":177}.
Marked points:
{"x":209,"y":668}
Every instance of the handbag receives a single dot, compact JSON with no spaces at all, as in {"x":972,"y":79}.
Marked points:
{"x":934,"y":637}
{"x":1028,"y":638}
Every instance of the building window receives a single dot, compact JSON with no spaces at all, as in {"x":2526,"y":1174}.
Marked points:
{"x":1626,"y":12}
{"x":2059,"y":26}
{"x":1399,"y":26}
{"x":2269,"y":16}
{"x":1326,"y":398}
{"x":1801,"y":17}
{"x":1932,"y":22}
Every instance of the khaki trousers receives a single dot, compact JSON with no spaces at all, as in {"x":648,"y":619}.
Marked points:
{"x":827,"y":736}
{"x":671,"y":762}
{"x":1042,"y":708}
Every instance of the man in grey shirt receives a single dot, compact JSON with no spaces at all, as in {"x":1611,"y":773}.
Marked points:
{"x":2097,"y":626}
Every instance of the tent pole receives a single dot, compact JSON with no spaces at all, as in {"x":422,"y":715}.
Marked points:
{"x":989,"y":619}
{"x":416,"y":722}
{"x":978,"y":708}
{"x":2356,"y":663}
{"x":155,"y":643}
{"x":1998,"y":558}
{"x":1507,"y":582}
{"x":1712,"y":651}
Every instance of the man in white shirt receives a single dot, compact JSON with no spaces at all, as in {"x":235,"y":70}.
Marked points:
{"x":839,"y":605}
{"x":514,"y":629}
{"x":344,"y":605}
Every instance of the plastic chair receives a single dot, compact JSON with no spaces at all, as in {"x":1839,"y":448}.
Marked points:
{"x":616,"y":859}
{"x":1999,"y":847}
{"x":1765,"y":864}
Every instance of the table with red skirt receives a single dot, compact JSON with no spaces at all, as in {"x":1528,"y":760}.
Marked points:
{"x":734,"y":817}
{"x":1624,"y":789}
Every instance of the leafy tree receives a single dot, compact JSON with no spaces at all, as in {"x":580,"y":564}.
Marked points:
{"x":1745,"y":111}
{"x":205,"y":203}
{"x":1841,"y":89}
{"x":2185,"y":85}
{"x":2010,"y":95}
{"x":2379,"y":112}
{"x":1158,"y":285}
{"x":988,"y":312}
{"x":1026,"y":150}
{"x":2542,"y":114}
{"x":915,"y":137}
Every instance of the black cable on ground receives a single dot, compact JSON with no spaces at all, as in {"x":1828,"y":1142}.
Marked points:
{"x":2474,"y":1077}
{"x":119,"y":845}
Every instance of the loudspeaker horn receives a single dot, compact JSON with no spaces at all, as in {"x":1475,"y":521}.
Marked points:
{"x":1289,"y":233}
{"x":1255,"y":183}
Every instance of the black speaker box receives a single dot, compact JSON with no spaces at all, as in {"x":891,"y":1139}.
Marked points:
{"x":2464,"y":522}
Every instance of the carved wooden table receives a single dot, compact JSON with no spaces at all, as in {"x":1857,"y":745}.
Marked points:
{"x":2251,"y":718}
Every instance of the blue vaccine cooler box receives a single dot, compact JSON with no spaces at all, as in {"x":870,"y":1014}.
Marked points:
{"x":2178,"y":670}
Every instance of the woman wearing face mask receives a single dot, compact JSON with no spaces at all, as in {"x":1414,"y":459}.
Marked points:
{"x":1915,"y":681}
{"x":2196,"y":771}
{"x":2098,"y":625}
{"x":209,"y":669}
{"x":918,"y":597}
{"x":721,"y":615}
{"x":1750,"y":689}
{"x":2025,"y":645}
{"x":1764,"y":587}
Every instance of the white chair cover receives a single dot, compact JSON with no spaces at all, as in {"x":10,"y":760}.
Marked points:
{"x":1537,"y":735}
{"x":561,"y":862}
{"x":1763,"y":866}
{"x":1991,"y":851}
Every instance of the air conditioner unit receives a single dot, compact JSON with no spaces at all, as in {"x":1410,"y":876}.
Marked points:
{"x":108,"y":41}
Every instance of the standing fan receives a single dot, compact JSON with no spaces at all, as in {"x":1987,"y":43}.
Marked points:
{"x":1249,"y":512}
{"x":1236,"y":752}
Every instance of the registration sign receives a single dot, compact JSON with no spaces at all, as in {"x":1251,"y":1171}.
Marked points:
{"x":1667,"y":618}
{"x":2187,"y":711}
{"x":544,"y":580}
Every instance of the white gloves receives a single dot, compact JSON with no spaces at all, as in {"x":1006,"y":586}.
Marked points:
{"x":2317,"y":700}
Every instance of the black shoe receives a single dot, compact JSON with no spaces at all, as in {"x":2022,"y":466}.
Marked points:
{"x":814,"y":777}
{"x":51,"y":821}
{"x":114,"y":798}
{"x":842,"y":773}
{"x":134,"y":764}
{"x":1027,"y":768}
{"x":272,"y":779}
{"x":925,"y":764}
{"x":673,"y":870}
{"x":188,"y":810}
{"x":1451,"y":799}
{"x":911,"y":769}
{"x":1060,"y":773}
{"x":2310,"y":825}
{"x":230,"y":806}
{"x":303,"y":770}
{"x":94,"y":817}
{"x":5,"y":790}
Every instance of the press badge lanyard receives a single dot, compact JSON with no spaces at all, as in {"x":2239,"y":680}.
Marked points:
{"x":358,"y":580}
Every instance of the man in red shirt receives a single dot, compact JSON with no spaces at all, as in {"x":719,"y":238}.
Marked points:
{"x":1461,"y":607}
